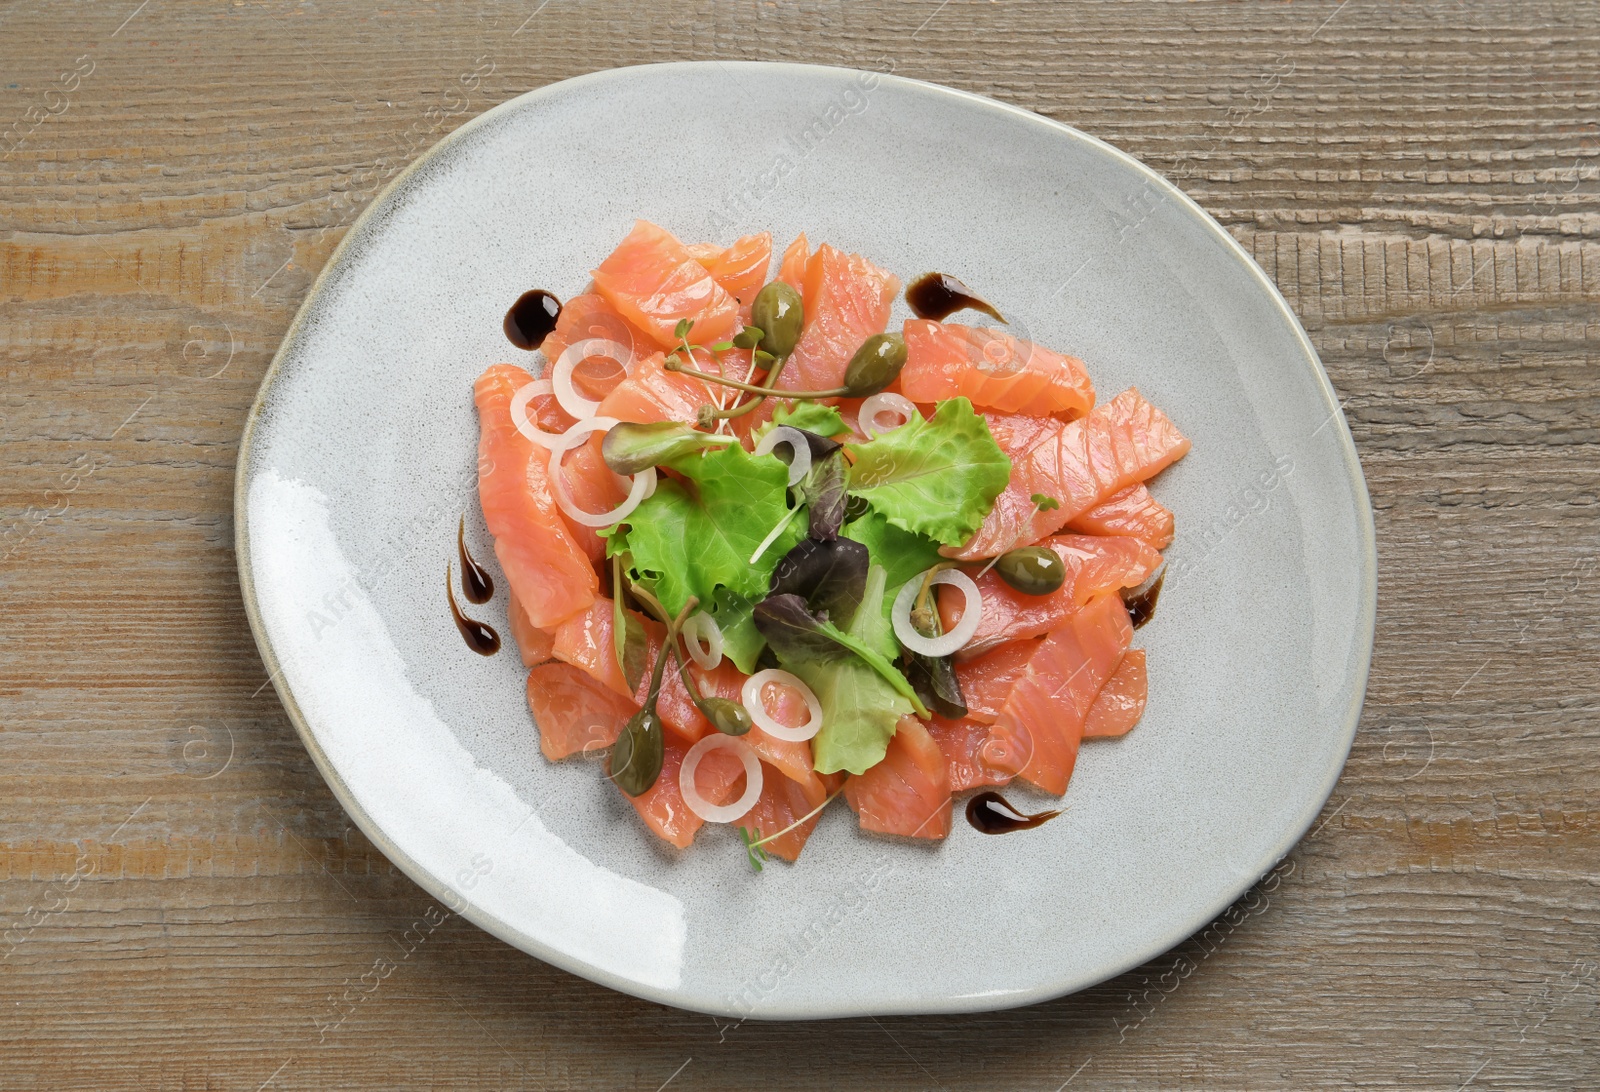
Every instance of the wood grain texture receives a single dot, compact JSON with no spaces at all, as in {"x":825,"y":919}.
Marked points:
{"x":187,"y":904}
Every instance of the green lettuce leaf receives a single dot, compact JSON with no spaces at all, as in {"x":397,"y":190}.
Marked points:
{"x":695,"y":538}
{"x":901,"y":554}
{"x":860,"y":706}
{"x":938,"y":476}
{"x":809,"y":415}
{"x":741,"y":641}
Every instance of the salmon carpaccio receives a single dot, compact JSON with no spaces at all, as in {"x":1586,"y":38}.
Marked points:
{"x":1041,"y":673}
{"x":1043,"y":713}
{"x":993,"y":369}
{"x":654,"y":282}
{"x":847,"y":300}
{"x":546,"y":567}
{"x":1093,"y":564}
{"x":908,"y":793}
{"x":1077,"y":464}
{"x":1132,"y":512}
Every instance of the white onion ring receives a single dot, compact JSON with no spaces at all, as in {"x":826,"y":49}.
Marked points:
{"x":705,"y":809}
{"x":575,"y":354}
{"x":800,"y":465}
{"x":525,"y":424}
{"x":702,"y":627}
{"x":751,"y":696}
{"x":971,"y":615}
{"x":884,"y":402}
{"x":643,"y":483}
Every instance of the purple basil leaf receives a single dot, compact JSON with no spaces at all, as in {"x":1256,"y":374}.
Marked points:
{"x":831,"y":576}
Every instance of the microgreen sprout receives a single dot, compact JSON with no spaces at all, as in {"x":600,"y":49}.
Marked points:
{"x":753,"y":841}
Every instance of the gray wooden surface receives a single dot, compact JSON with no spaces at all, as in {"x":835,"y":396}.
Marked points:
{"x":187,"y":907}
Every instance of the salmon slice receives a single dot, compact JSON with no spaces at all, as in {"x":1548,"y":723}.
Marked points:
{"x":534,"y":645}
{"x":677,"y":709}
{"x":971,"y":756}
{"x":593,"y":488}
{"x":908,"y":793}
{"x":1120,"y":703}
{"x":654,"y":282}
{"x":585,"y":641}
{"x":993,"y":369}
{"x":591,"y":316}
{"x":1078,"y":464}
{"x":719,"y":778}
{"x":783,"y":800}
{"x":1043,"y":717}
{"x":652,"y":393}
{"x":545,"y":567}
{"x":1093,"y":564}
{"x":792,"y":266}
{"x":546,"y":412}
{"x":574,"y":713}
{"x":740,"y":269}
{"x":986,"y":681}
{"x":1131,"y":511}
{"x":785,"y":705}
{"x":847,"y":300}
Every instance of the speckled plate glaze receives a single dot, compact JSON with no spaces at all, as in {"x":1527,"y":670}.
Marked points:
{"x":358,"y":460}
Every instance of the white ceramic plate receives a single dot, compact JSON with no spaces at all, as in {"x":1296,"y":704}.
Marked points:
{"x":359,"y":458}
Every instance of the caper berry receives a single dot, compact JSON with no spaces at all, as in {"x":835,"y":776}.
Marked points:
{"x":779,"y":313}
{"x":728,"y":717}
{"x":635,"y":761}
{"x":1032,"y":570}
{"x":876,"y":364}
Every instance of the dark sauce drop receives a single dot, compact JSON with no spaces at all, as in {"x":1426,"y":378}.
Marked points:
{"x":939,"y":295}
{"x":532,"y":318}
{"x":1141,"y":601}
{"x":480,"y":636}
{"x":476,"y":583}
{"x":991,"y":813}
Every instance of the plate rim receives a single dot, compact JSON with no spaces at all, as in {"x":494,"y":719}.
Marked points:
{"x":844,"y":1008}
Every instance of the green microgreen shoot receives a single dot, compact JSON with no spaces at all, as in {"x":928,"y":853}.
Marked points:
{"x":752,"y":848}
{"x":753,"y":841}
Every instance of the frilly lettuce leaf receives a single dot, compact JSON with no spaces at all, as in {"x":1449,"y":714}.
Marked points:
{"x":809,"y":415}
{"x":901,"y":554}
{"x":695,"y":537}
{"x":861,"y":694}
{"x":937,"y":477}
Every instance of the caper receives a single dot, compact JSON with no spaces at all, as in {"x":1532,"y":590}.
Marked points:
{"x":727,"y":717}
{"x":876,"y":364}
{"x":779,"y":313}
{"x":1032,"y":570}
{"x":635,"y":761}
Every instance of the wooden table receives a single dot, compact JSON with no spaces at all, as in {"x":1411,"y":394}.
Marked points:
{"x":186,"y":905}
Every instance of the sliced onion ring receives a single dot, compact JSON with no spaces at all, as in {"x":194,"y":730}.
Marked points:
{"x":702,"y":627}
{"x":971,"y":614}
{"x":525,"y":424}
{"x":575,"y":354}
{"x":881,"y":403}
{"x":751,"y":696}
{"x":705,"y":809}
{"x":800,"y":466}
{"x":643,"y":484}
